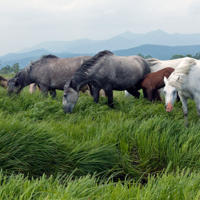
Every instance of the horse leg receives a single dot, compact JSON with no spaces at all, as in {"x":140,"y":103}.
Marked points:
{"x":95,"y":91}
{"x":185,"y":109}
{"x":149,"y":94}
{"x":109,"y":93}
{"x":197,"y":102}
{"x":134,"y":92}
{"x":144,"y":92}
{"x":91,"y":89}
{"x":156,"y":96}
{"x":53,"y":93}
{"x":44,"y":90}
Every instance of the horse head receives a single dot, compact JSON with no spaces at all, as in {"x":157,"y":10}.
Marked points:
{"x":70,"y":97}
{"x":170,"y":95}
{"x":15,"y":84}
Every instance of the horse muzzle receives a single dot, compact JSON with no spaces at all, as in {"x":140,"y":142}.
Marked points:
{"x":169,"y":107}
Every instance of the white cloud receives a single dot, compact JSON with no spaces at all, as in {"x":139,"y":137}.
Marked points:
{"x":27,"y":23}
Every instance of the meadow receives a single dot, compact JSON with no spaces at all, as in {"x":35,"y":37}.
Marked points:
{"x":135,"y":151}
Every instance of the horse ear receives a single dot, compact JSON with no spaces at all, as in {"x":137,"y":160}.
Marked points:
{"x":165,"y":80}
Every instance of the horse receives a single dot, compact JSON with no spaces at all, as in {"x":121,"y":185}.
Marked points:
{"x":156,"y":65}
{"x":49,"y":73}
{"x":3,"y":82}
{"x":154,"y":81}
{"x":108,"y":72}
{"x":185,"y":81}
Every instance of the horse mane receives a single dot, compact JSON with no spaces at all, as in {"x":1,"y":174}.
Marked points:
{"x":181,"y":70}
{"x":89,"y":63}
{"x":20,"y":77}
{"x":82,"y":72}
{"x":42,"y":59}
{"x":152,"y":61}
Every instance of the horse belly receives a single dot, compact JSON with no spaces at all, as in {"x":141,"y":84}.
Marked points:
{"x":124,"y":84}
{"x":126,"y":81}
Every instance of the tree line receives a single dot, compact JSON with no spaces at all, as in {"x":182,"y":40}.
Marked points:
{"x":8,"y":69}
{"x":197,"y":56}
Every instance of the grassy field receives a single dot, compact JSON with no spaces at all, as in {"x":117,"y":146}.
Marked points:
{"x":134,"y":151}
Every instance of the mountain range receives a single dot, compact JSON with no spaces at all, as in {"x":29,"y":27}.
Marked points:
{"x":158,"y":44}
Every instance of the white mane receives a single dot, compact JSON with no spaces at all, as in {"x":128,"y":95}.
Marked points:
{"x":156,"y":64}
{"x":181,"y":70}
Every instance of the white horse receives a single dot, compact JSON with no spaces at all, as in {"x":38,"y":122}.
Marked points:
{"x":185,"y":79}
{"x":156,"y":65}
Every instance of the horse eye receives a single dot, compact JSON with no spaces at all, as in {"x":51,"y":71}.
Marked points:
{"x":65,"y":95}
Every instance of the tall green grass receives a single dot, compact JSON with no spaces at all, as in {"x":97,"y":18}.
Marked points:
{"x":181,"y":185}
{"x":137,"y":140}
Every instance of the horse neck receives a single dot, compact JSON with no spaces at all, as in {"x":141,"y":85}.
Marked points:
{"x":26,"y":77}
{"x":77,"y":83}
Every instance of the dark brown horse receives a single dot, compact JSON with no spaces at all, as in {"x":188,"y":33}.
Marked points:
{"x":152,"y":82}
{"x":3,"y":82}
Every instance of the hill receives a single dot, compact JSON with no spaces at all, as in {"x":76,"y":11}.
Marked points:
{"x":159,"y":51}
{"x":125,"y":40}
{"x":24,"y":58}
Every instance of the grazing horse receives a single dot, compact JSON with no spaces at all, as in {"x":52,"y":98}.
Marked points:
{"x":108,"y":72}
{"x":3,"y":82}
{"x":156,"y":65}
{"x":154,"y":81}
{"x":185,"y":79}
{"x":49,"y":73}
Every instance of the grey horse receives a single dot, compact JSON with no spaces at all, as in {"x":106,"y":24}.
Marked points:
{"x":49,"y":73}
{"x":108,"y":72}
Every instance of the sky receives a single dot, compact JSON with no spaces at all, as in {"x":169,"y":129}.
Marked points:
{"x":25,"y":23}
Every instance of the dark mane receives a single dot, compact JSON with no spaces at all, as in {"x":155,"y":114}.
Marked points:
{"x":21,"y":77}
{"x":81,"y":73}
{"x":87,"y":64}
{"x":43,"y":58}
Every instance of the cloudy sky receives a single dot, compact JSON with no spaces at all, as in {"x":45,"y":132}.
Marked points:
{"x":25,"y":23}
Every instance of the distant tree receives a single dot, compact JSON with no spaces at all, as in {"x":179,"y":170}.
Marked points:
{"x":15,"y":68}
{"x":197,"y":56}
{"x":139,"y":54}
{"x":6,"y":69}
{"x":189,"y":55}
{"x":145,"y":57}
{"x":148,"y":56}
{"x":176,"y":56}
